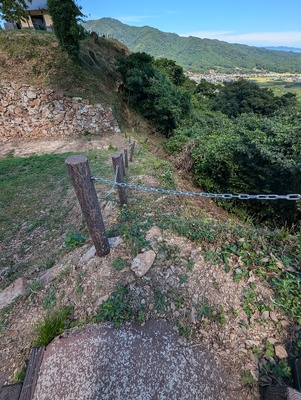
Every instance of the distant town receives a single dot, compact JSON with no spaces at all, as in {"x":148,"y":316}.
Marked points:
{"x":222,"y":77}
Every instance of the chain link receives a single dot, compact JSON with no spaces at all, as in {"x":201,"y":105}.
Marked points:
{"x":226,"y":196}
{"x":112,"y":188}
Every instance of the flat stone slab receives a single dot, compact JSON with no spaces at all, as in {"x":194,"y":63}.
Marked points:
{"x":149,"y":362}
{"x":16,"y":289}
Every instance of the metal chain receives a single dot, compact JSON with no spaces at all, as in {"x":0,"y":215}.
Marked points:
{"x":112,"y":188}
{"x":226,"y":196}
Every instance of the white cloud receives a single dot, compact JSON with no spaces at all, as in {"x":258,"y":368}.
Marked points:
{"x":252,"y":38}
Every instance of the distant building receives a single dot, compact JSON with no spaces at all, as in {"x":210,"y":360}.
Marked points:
{"x":38,"y":16}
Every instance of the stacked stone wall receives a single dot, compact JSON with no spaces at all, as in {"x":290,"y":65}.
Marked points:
{"x":30,"y":112}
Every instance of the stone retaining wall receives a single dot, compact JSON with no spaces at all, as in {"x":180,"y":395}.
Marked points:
{"x":30,"y":112}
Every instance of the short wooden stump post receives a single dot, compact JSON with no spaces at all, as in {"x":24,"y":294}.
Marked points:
{"x":117,"y":160}
{"x":79,"y":171}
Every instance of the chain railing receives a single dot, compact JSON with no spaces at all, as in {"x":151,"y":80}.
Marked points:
{"x":226,"y":196}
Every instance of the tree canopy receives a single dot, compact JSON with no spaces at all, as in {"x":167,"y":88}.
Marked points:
{"x":242,"y":96}
{"x":152,"y":92}
{"x":13,"y":10}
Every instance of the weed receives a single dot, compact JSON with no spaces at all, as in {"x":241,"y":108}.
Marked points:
{"x":48,"y":263}
{"x":170,"y":251}
{"x":51,"y":325}
{"x":161,"y":302}
{"x":183,"y":278}
{"x":189,"y":265}
{"x":269,"y":350}
{"x":280,"y":369}
{"x":119,"y":263}
{"x":248,"y":304}
{"x":116,"y":308}
{"x":49,"y":300}
{"x":35,"y":287}
{"x":177,"y":299}
{"x":78,"y":289}
{"x":62,"y":274}
{"x":20,"y":376}
{"x":141,"y":316}
{"x":132,"y":229}
{"x":111,"y":147}
{"x":212,"y":255}
{"x":220,"y":318}
{"x":234,"y":312}
{"x":74,"y":240}
{"x":204,"y":309}
{"x":288,"y":295}
{"x":184,"y":330}
{"x":167,"y":179}
{"x":248,"y":379}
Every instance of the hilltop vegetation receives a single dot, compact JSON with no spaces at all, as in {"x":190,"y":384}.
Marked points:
{"x":195,"y":54}
{"x":34,"y":57}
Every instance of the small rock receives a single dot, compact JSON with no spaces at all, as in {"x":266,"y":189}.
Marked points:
{"x":273,"y":316}
{"x":251,"y":343}
{"x":51,"y":273}
{"x":265,"y":315}
{"x":89,"y":254}
{"x":102,"y":300}
{"x":284,"y":323}
{"x":16,"y":289}
{"x":143,"y":262}
{"x":280,"y":352}
{"x":115,"y":241}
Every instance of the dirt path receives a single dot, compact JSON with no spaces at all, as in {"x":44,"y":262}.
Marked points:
{"x":20,"y":148}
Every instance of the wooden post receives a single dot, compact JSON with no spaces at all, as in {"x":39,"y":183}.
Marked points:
{"x":132,"y":151}
{"x":117,"y":160}
{"x":79,"y":171}
{"x":122,"y":164}
{"x":126,"y":158}
{"x":129,"y":138}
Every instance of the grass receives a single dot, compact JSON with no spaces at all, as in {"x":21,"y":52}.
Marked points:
{"x":37,"y":209}
{"x":53,"y":324}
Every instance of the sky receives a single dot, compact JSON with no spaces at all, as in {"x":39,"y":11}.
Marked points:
{"x":255,"y":23}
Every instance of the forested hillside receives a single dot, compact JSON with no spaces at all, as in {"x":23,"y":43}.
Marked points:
{"x":233,"y":138}
{"x":195,"y":54}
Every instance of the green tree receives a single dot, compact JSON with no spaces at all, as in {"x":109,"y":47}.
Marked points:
{"x":152,"y":93}
{"x":13,"y":10}
{"x":242,"y":96}
{"x":65,"y":17}
{"x":137,"y":72}
{"x":207,"y":89}
{"x":172,"y":70}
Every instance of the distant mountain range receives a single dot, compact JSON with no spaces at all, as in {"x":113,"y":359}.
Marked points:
{"x":195,"y":54}
{"x":284,"y":48}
